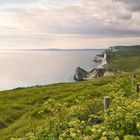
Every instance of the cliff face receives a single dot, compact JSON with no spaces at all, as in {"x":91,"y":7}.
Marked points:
{"x":80,"y":74}
{"x":100,"y":71}
{"x":98,"y":58}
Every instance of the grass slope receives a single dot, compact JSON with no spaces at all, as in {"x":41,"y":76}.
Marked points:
{"x":19,"y":108}
{"x":48,"y":112}
{"x":127,"y":59}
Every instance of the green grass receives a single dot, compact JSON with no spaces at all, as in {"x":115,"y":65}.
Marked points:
{"x":127,"y":59}
{"x":19,"y":106}
{"x":23,"y":111}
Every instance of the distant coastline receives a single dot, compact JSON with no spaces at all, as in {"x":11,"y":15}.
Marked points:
{"x":99,"y":71}
{"x":52,"y":49}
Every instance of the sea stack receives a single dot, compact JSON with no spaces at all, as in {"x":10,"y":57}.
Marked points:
{"x":80,"y":74}
{"x":98,"y":58}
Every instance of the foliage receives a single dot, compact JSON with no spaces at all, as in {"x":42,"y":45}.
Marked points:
{"x":127,"y":59}
{"x":80,"y":114}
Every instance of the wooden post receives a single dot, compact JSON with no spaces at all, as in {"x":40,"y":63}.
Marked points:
{"x":106,"y":102}
{"x":137,"y":88}
{"x":132,"y":79}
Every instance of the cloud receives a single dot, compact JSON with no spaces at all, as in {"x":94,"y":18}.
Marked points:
{"x":134,"y":5}
{"x":104,"y":17}
{"x":40,"y":21}
{"x":16,"y":1}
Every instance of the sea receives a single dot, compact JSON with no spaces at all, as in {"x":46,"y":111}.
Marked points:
{"x":25,"y":68}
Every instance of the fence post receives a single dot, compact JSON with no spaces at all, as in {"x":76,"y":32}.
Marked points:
{"x":137,"y":88}
{"x":132,"y":79}
{"x":106,"y":102}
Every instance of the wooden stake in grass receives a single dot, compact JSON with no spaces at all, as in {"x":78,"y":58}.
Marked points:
{"x":133,"y":78}
{"x":137,"y":88}
{"x":107,"y":102}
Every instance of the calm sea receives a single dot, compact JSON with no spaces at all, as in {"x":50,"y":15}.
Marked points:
{"x":23,"y":68}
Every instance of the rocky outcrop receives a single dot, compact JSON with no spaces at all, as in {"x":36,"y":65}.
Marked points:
{"x":80,"y":74}
{"x":98,"y":58}
{"x":99,"y":71}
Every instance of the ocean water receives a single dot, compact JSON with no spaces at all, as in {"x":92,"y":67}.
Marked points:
{"x":24,"y":68}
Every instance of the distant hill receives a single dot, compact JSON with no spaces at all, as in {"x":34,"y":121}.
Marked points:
{"x":126,"y":59}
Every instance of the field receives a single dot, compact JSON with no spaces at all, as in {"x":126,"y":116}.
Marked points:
{"x":74,"y":111}
{"x":127,"y":59}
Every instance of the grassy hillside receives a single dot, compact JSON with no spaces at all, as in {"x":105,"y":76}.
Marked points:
{"x":71,"y":110}
{"x":19,"y":108}
{"x":127,"y":59}
{"x":74,"y":111}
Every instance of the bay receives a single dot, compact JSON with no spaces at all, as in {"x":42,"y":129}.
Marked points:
{"x":24,"y":68}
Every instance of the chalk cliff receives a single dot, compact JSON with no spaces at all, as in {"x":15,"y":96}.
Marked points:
{"x":100,"y":71}
{"x":80,"y":74}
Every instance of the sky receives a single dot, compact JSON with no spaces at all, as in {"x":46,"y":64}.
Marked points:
{"x":68,"y":24}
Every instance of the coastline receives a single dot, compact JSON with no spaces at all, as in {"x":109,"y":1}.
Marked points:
{"x":40,"y":70}
{"x":98,"y":71}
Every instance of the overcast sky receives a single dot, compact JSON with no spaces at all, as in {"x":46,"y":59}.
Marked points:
{"x":68,"y":23}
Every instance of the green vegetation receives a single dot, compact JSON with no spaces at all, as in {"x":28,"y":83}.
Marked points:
{"x":127,"y":59}
{"x":74,"y":111}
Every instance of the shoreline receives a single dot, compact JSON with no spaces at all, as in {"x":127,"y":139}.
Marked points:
{"x":6,"y":86}
{"x":42,"y":68}
{"x":98,"y":71}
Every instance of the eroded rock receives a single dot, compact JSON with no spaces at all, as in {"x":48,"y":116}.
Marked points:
{"x":80,"y":74}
